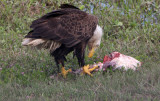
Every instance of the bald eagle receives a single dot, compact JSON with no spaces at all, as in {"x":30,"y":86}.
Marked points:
{"x":63,"y":31}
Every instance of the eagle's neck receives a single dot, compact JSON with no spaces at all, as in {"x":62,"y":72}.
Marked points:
{"x":96,"y":38}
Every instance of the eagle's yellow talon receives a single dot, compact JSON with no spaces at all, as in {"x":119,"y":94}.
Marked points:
{"x":64,"y":72}
{"x":91,"y":53}
{"x":87,"y":70}
{"x":92,"y":69}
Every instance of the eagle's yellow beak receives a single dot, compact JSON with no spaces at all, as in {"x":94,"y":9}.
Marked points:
{"x":92,"y":51}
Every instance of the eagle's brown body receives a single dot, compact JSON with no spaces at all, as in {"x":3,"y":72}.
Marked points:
{"x":62,"y":31}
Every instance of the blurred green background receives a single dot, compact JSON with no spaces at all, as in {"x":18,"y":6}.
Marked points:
{"x":131,"y":27}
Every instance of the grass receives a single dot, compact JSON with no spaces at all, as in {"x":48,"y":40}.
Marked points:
{"x":130,"y":29}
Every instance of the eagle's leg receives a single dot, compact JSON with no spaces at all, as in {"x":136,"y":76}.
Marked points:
{"x":57,"y":63}
{"x":80,"y":51}
{"x":87,"y":70}
{"x":64,"y":72}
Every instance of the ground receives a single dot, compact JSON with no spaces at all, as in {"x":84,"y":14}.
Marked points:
{"x":28,"y":74}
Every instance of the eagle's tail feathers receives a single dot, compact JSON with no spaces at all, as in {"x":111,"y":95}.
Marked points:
{"x":41,"y":43}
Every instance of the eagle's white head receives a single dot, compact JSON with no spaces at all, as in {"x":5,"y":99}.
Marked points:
{"x":95,"y":40}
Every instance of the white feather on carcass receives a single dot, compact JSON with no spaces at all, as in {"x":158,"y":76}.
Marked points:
{"x":117,"y":60}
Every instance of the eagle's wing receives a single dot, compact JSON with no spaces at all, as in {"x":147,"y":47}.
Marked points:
{"x":68,"y":26}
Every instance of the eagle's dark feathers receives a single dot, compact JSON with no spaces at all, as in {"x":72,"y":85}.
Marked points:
{"x":68,"y":26}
